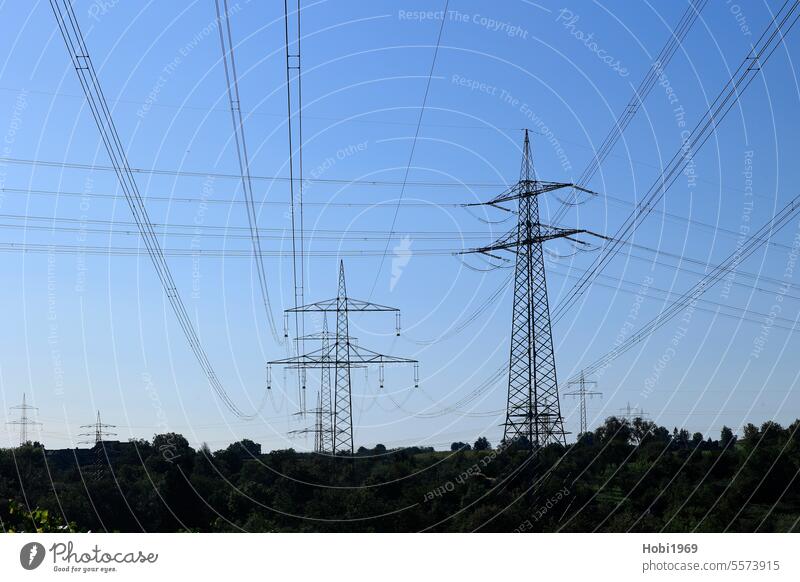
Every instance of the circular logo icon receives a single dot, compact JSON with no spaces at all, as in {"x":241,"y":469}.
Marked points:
{"x":31,"y":555}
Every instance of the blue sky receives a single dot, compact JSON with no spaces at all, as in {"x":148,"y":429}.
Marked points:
{"x":83,"y":331}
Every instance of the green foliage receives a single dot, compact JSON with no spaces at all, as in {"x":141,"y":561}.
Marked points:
{"x":21,"y":520}
{"x":623,"y":476}
{"x":482,"y":444}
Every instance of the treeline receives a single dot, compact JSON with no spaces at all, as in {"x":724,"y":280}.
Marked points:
{"x":624,"y":476}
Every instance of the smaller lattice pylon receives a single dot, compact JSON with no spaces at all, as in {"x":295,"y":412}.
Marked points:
{"x":24,"y":420}
{"x":97,"y":437}
{"x":630,"y":413}
{"x":340,"y":354}
{"x":322,"y":434}
{"x":582,"y":392}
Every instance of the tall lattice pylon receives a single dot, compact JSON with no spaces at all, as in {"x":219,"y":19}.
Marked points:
{"x":581,"y":392}
{"x":341,"y":356}
{"x":24,"y":420}
{"x":342,"y":393}
{"x":533,"y":411}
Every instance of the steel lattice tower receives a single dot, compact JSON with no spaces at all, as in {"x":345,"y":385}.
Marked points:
{"x":342,"y":356}
{"x":582,"y":393}
{"x":98,"y":433}
{"x":325,"y":407}
{"x":533,"y":411}
{"x":24,"y":421}
{"x":323,"y":413}
{"x":342,"y":393}
{"x":631,"y":413}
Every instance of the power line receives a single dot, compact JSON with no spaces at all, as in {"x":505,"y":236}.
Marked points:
{"x":413,"y":145}
{"x":293,"y":62}
{"x":779,"y":221}
{"x":640,"y":94}
{"x":36,"y":248}
{"x":232,"y":87}
{"x":738,"y":313}
{"x":713,"y":228}
{"x":718,"y":110}
{"x":195,"y":200}
{"x":228,"y":176}
{"x":87,"y":76}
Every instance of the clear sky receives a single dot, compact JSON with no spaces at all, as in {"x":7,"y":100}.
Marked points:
{"x":84,"y":330}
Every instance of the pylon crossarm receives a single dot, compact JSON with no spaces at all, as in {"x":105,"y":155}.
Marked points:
{"x":322,"y":336}
{"x":366,"y":356}
{"x":360,"y":305}
{"x":299,"y":432}
{"x":326,"y":305}
{"x":330,"y":305}
{"x":527,"y":189}
{"x":509,"y":192}
{"x":327,"y":358}
{"x":321,"y":355}
{"x":509,"y":242}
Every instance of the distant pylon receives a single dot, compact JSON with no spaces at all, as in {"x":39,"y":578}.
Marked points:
{"x":533,"y":410}
{"x":343,"y":355}
{"x":24,"y":421}
{"x":630,"y":413}
{"x":323,"y":414}
{"x":318,"y":446}
{"x":582,"y":393}
{"x":99,"y":433}
{"x":99,"y":430}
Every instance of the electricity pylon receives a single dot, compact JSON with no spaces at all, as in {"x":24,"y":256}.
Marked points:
{"x":99,"y":433}
{"x":630,"y":413}
{"x":342,"y":355}
{"x":582,"y":393}
{"x":24,"y":421}
{"x":323,"y":415}
{"x":533,"y":410}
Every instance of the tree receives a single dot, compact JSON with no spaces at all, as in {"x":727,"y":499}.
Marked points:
{"x":661,"y":435}
{"x":482,"y":444}
{"x":726,"y":437}
{"x":614,"y":430}
{"x":172,"y":447}
{"x":751,"y":432}
{"x":459,"y":446}
{"x":680,"y":438}
{"x":641,"y":430}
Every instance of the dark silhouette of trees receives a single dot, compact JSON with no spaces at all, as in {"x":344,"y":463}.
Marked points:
{"x":625,"y":475}
{"x":726,"y":437}
{"x":482,"y":444}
